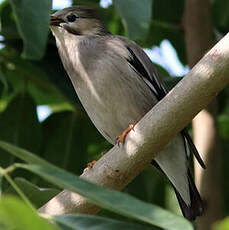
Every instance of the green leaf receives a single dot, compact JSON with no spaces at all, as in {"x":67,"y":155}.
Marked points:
{"x":3,"y":85}
{"x":8,"y":27}
{"x":112,"y":19}
{"x":148,"y":183}
{"x":23,"y":154}
{"x":70,"y":140}
{"x":19,"y":125}
{"x":167,"y":11}
{"x":33,"y":25}
{"x":66,"y":141}
{"x":219,"y":15}
{"x":222,"y":225}
{"x":224,"y":125}
{"x":57,"y":75}
{"x":33,"y":76}
{"x":124,"y":204}
{"x":15,"y":214}
{"x":37,"y":196}
{"x":136,"y":16}
{"x":82,"y":222}
{"x":1,"y":180}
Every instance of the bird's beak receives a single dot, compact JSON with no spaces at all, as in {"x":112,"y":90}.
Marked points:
{"x":54,"y":21}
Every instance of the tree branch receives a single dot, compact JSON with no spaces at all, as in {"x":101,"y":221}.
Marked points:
{"x":197,"y":20}
{"x":167,"y":118}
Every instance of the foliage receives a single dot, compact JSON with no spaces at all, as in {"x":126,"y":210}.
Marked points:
{"x":222,"y":225}
{"x":31,"y":75}
{"x":127,"y":205}
{"x":16,"y":215}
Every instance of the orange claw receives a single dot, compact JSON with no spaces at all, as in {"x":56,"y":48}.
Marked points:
{"x":122,"y":137}
{"x":89,"y":165}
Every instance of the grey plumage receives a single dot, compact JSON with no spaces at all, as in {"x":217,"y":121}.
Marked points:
{"x":117,"y":84}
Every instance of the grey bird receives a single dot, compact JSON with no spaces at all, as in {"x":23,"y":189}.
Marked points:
{"x":117,"y":85}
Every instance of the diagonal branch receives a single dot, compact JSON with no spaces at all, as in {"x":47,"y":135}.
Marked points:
{"x":121,"y":164}
{"x":197,"y":20}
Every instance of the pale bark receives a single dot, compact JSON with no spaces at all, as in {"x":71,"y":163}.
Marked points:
{"x":199,"y":38}
{"x":206,"y":139}
{"x":121,"y":164}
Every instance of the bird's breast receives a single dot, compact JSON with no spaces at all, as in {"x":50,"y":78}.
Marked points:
{"x":112,"y":94}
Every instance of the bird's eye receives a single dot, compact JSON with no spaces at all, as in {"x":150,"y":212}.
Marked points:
{"x":71,"y":18}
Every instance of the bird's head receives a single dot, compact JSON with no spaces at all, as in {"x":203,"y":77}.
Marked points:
{"x":77,"y":20}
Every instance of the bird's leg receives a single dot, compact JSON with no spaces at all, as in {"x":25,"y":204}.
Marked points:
{"x":89,"y":165}
{"x":122,"y":137}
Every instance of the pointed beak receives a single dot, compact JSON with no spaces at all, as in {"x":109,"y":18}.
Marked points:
{"x":54,"y":21}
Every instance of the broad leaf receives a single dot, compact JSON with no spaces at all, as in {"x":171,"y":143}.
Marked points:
{"x":23,"y":154}
{"x":69,"y":143}
{"x":8,"y":27}
{"x":222,"y":225}
{"x":3,"y":85}
{"x":124,"y":204}
{"x":82,"y":222}
{"x":37,"y":196}
{"x":167,"y":11}
{"x":31,"y":75}
{"x":147,"y":185}
{"x":19,"y":125}
{"x":14,"y":214}
{"x":136,"y":16}
{"x":1,"y":180}
{"x":220,"y":15}
{"x":33,"y":25}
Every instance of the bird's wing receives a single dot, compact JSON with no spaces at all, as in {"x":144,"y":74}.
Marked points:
{"x":189,"y":143}
{"x":170,"y":161}
{"x":150,"y":79}
{"x":144,"y":67}
{"x":147,"y":71}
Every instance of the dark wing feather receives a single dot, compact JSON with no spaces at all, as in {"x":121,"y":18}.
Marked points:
{"x":193,"y":147}
{"x":159,"y":90}
{"x":151,"y":81}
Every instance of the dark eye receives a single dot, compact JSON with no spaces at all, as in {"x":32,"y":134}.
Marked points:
{"x":71,"y":18}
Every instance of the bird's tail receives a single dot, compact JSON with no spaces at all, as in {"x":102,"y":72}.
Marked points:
{"x":172,"y":161}
{"x":196,"y":207}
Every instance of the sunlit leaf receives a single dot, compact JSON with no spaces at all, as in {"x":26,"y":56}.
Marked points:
{"x":1,"y":180}
{"x":124,"y":204}
{"x":16,"y":215}
{"x":222,"y":225}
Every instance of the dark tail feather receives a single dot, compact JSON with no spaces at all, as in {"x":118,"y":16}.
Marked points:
{"x":196,"y":208}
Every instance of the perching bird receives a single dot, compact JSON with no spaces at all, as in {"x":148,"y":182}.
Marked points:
{"x":117,"y":84}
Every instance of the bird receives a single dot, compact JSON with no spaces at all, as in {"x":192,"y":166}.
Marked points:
{"x":118,"y":84}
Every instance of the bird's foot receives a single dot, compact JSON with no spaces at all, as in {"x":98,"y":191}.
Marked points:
{"x":89,"y":166}
{"x":103,"y":153}
{"x":122,"y":137}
